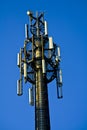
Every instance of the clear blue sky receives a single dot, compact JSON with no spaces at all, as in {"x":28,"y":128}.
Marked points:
{"x":67,"y":20}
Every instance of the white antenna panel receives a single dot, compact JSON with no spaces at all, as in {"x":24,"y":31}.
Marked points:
{"x":26,"y":31}
{"x":58,"y":51}
{"x":46,"y":28}
{"x":50,"y":43}
{"x":43,"y":66}
{"x":18,"y":59}
{"x":25,"y":70}
{"x":31,"y":97}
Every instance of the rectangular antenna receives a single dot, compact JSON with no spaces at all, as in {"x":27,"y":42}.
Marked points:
{"x":59,"y":92}
{"x":25,"y":64}
{"x":50,"y":43}
{"x":50,"y":47}
{"x":25,"y":70}
{"x":18,"y":59}
{"x":58,"y":51}
{"x":43,"y":66}
{"x":46,"y":29}
{"x":59,"y":83}
{"x":60,"y":77}
{"x":19,"y":88}
{"x":26,"y":31}
{"x":31,"y":96}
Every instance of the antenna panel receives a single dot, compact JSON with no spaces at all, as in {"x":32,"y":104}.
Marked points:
{"x":50,"y":43}
{"x":46,"y":28}
{"x":26,"y":31}
{"x":31,"y":97}
{"x":43,"y":66}
{"x":19,"y":88}
{"x":18,"y":59}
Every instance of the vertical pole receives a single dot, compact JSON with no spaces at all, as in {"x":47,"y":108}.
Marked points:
{"x":42,"y":119}
{"x":41,"y":103}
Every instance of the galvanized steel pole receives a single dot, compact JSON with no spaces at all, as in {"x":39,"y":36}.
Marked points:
{"x":42,"y":120}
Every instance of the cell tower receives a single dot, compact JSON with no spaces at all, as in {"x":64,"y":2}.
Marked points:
{"x":39,"y":63}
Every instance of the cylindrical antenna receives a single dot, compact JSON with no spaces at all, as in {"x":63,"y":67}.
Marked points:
{"x":43,"y":66}
{"x":58,"y":51}
{"x":31,"y":96}
{"x":59,"y":83}
{"x":25,"y":64}
{"x":58,"y":57}
{"x":50,"y":43}
{"x":59,"y":92}
{"x":46,"y":27}
{"x":26,"y":31}
{"x":60,"y":77}
{"x":21,"y":77}
{"x":25,"y":70}
{"x":19,"y":88}
{"x":18,"y":59}
{"x":50,"y":47}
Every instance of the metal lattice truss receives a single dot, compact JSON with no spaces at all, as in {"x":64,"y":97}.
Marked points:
{"x":51,"y":61}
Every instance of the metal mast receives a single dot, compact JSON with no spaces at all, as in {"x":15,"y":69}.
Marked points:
{"x":39,"y":63}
